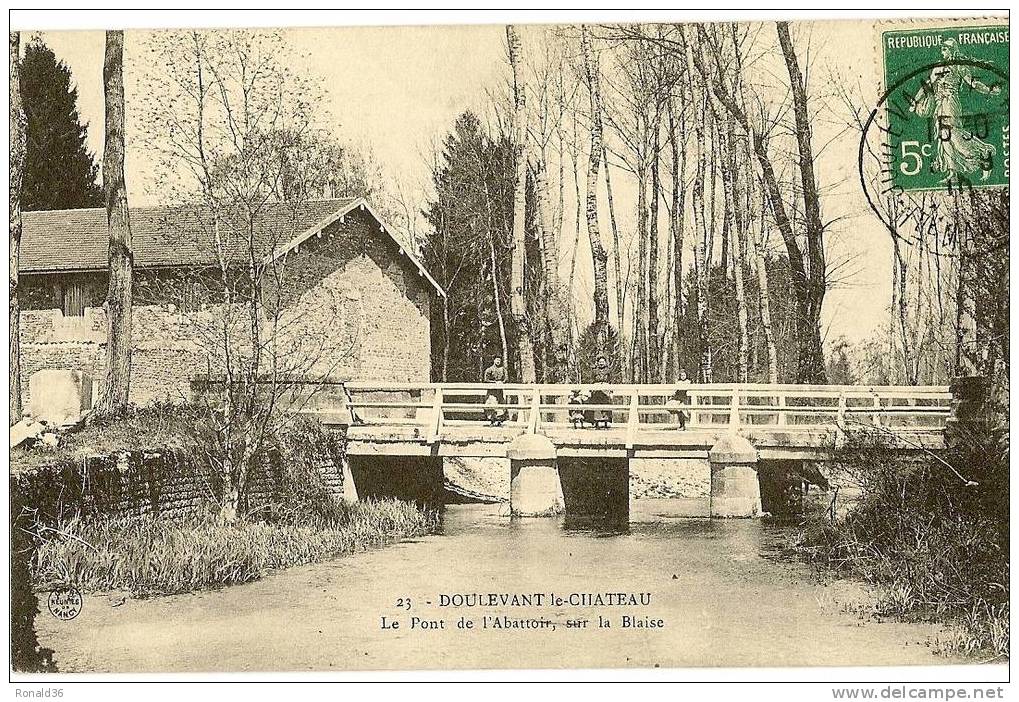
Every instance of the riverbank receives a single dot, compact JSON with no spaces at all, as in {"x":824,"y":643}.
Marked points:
{"x":931,"y":533}
{"x":160,"y":555}
{"x":726,"y":592}
{"x":133,"y":506}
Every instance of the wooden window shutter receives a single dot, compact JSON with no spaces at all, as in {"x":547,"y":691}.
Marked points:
{"x":74,"y":301}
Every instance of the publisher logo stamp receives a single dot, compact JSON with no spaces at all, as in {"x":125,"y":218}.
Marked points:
{"x":65,"y":603}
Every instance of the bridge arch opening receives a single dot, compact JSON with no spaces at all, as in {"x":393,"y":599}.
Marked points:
{"x":596,"y":491}
{"x":411,"y":478}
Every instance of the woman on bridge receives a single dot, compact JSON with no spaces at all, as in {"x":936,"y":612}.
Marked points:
{"x":495,"y":374}
{"x":601,"y":374}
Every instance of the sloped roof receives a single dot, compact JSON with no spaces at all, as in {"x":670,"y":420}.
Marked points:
{"x":62,"y":240}
{"x":77,"y":240}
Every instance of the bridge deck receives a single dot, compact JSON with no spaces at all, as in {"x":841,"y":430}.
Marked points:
{"x":782,"y":421}
{"x":610,"y":443}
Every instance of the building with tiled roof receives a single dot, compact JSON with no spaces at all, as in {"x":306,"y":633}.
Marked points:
{"x":350,"y":282}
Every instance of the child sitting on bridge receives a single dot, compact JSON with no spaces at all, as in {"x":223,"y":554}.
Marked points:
{"x":678,"y":399}
{"x":576,"y":399}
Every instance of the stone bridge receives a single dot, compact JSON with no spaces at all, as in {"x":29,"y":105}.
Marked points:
{"x":719,"y":433}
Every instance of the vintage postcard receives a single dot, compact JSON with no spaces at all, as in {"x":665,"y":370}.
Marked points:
{"x":510,"y":345}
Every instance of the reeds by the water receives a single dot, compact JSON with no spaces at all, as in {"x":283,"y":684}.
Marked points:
{"x":932,"y":533}
{"x":158,"y":555}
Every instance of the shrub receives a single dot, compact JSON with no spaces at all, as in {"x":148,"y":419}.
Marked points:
{"x":931,"y":530}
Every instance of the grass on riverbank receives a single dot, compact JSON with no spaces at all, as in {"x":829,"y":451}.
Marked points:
{"x":157,"y":427}
{"x":932,"y":533}
{"x":158,"y":555}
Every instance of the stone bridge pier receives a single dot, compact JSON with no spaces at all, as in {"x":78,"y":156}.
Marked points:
{"x":735,"y":487}
{"x":535,"y":487}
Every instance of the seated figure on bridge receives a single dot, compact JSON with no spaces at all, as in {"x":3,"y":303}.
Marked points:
{"x":577,"y":398}
{"x":600,"y":418}
{"x":678,"y":399}
{"x":495,"y":374}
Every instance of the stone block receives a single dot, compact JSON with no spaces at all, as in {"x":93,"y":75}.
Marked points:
{"x":531,"y":447}
{"x":59,"y":396}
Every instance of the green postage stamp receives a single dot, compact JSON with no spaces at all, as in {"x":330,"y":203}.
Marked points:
{"x":946,"y":101}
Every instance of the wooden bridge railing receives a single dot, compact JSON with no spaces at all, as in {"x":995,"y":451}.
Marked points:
{"x":639,"y":408}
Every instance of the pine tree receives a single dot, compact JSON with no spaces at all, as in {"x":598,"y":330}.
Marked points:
{"x":60,"y":173}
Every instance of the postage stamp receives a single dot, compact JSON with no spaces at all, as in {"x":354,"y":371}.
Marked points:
{"x":947,"y":106}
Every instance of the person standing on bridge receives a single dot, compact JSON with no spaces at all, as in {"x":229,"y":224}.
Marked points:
{"x":601,"y":373}
{"x":495,"y":374}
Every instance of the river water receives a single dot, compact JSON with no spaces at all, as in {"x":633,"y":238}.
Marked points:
{"x":720,"y":593}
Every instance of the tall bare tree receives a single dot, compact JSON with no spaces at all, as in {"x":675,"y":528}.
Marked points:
{"x":811,"y":362}
{"x":231,"y":130}
{"x":616,"y":255}
{"x":653,"y":247}
{"x":807,"y":268}
{"x":117,"y":380}
{"x":760,"y":264}
{"x":518,"y":305}
{"x":677,"y":141}
{"x":599,"y":256}
{"x":17,"y":174}
{"x":735,"y":203}
{"x":700,"y":97}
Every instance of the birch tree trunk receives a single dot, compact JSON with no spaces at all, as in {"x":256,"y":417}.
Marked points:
{"x":736,"y":254}
{"x":17,"y":175}
{"x":902,"y":308}
{"x":701,"y":227}
{"x":640,"y":355}
{"x":617,"y":259}
{"x":700,"y":260}
{"x":549,"y":239}
{"x":652,"y":275}
{"x":599,"y":256}
{"x":518,"y":306}
{"x":553,"y":303}
{"x":676,"y":222}
{"x":764,"y":302}
{"x":117,"y":381}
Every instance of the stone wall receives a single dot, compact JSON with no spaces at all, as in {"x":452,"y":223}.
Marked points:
{"x":349,"y":306}
{"x":166,"y":350}
{"x":135,"y":483}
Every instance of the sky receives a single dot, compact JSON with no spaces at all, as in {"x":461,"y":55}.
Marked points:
{"x":397,"y":90}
